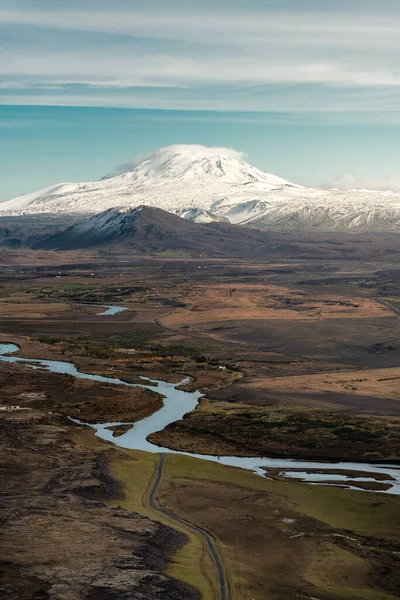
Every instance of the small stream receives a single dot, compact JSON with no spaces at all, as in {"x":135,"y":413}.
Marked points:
{"x":176,"y":404}
{"x":111,"y":310}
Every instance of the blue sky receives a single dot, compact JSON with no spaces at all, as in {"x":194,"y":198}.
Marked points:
{"x":309,"y":89}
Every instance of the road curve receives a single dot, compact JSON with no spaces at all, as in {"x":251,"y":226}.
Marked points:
{"x":213,"y":551}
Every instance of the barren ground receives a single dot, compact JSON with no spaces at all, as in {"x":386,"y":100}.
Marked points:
{"x":296,"y":357}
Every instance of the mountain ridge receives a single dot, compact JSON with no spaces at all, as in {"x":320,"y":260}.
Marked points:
{"x":203,"y":184}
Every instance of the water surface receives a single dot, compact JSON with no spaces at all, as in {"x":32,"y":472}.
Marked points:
{"x":111,"y":310}
{"x":176,"y":404}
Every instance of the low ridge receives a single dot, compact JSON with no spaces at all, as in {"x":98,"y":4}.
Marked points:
{"x":150,"y":230}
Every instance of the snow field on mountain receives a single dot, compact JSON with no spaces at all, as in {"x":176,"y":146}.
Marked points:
{"x":210,"y":184}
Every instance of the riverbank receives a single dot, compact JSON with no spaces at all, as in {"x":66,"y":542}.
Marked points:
{"x":176,"y":404}
{"x":284,"y":431}
{"x":285,"y":517}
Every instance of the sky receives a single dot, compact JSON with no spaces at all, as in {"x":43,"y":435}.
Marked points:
{"x":308,"y":89}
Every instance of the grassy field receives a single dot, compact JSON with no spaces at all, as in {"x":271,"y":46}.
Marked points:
{"x":135,"y":471}
{"x":277,"y":539}
{"x":192,"y":564}
{"x":32,"y":310}
{"x":224,"y":303}
{"x":364,"y":514}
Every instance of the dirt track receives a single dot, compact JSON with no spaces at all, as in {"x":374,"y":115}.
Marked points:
{"x":223,"y":587}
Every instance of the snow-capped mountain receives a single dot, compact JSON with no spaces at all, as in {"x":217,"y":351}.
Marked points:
{"x":216,"y":184}
{"x":194,"y":164}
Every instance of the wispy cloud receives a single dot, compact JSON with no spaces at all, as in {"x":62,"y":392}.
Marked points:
{"x":241,"y":53}
{"x":351,"y":181}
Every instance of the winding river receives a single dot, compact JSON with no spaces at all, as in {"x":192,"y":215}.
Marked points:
{"x":177,"y":403}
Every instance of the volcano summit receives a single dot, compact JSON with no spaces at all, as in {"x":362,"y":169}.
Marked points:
{"x":216,"y":184}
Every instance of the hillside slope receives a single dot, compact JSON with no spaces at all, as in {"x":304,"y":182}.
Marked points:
{"x":147,"y":230}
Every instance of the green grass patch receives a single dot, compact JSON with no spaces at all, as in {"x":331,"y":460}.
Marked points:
{"x":365,"y":513}
{"x":173,"y":253}
{"x":191,"y":563}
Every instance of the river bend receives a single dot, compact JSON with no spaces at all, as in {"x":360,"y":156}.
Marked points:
{"x":176,"y":404}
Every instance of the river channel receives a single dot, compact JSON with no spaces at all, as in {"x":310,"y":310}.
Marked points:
{"x":177,"y":403}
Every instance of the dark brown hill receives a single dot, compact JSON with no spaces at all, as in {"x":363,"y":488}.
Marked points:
{"x":148,"y":230}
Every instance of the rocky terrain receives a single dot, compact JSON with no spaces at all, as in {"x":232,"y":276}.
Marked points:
{"x":60,"y":538}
